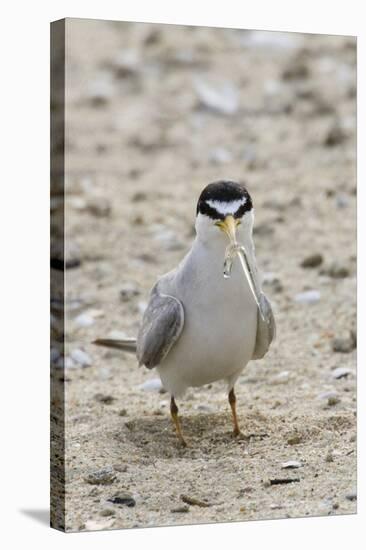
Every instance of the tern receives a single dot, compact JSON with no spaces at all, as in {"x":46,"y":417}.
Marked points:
{"x":203,"y":324}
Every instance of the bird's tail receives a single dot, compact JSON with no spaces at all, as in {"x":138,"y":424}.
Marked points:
{"x":127,"y":344}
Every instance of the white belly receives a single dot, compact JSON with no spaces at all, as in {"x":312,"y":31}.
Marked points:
{"x":219,"y":331}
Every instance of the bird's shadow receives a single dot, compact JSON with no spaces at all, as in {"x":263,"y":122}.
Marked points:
{"x":42,"y":515}
{"x":204,"y":433}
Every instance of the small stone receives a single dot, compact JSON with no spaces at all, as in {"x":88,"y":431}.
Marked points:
{"x":100,"y":92}
{"x":341,"y":372}
{"x":154,"y":384}
{"x":344,"y":345}
{"x":352,"y":495}
{"x":221,"y":98}
{"x":342,"y":200}
{"x":296,"y":70}
{"x":329,"y":457}
{"x":308,"y":297}
{"x":127,"y":64}
{"x":122,"y":412}
{"x":220,"y":155}
{"x":336,"y":271}
{"x":294,"y":439}
{"x":93,"y":525}
{"x":291,"y":464}
{"x":281,"y":378}
{"x":123,"y":498}
{"x":99,"y":207}
{"x":139,"y":196}
{"x":128,"y":292}
{"x":314,"y":260}
{"x":81,"y":357}
{"x":335,"y":506}
{"x":104,"y":476}
{"x":328,"y":395}
{"x":105,"y":512}
{"x":103,"y":398}
{"x":141,"y":306}
{"x":332,"y":401}
{"x":122,"y":468}
{"x":263,"y":230}
{"x":66,"y":363}
{"x":84,"y":320}
{"x":270,"y":279}
{"x":335,"y":135}
{"x":180,"y":510}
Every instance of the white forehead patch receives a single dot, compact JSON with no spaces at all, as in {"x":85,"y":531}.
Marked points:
{"x":225,"y":208}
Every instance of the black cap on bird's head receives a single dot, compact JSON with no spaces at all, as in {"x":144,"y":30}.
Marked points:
{"x":224,"y":204}
{"x":222,"y":198}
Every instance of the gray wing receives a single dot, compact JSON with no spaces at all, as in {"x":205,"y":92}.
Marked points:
{"x":266,"y":328}
{"x":161,"y":327}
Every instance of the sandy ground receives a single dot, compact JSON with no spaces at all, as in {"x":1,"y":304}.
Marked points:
{"x":153,"y":114}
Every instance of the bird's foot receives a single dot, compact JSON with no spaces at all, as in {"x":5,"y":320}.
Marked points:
{"x":238,"y":434}
{"x":183,"y":443}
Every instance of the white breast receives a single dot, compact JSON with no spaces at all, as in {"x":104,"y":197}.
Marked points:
{"x":219,"y":333}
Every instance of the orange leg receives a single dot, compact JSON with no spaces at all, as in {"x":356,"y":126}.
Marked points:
{"x":174,"y":413}
{"x":232,"y":401}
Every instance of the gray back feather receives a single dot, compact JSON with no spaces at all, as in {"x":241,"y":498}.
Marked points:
{"x":161,"y":327}
{"x":266,"y":328}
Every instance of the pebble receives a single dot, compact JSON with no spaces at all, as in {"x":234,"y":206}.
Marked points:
{"x":168,"y":239}
{"x":336,"y":271}
{"x":332,"y":401}
{"x":100,"y":92}
{"x":308,"y":297}
{"x":314,"y":260}
{"x":328,"y":395}
{"x":352,"y":495}
{"x":128,"y":292}
{"x":220,"y":155}
{"x":329,"y":457}
{"x":263,"y":230}
{"x":99,"y":207}
{"x":104,"y":398}
{"x":81,"y":357}
{"x":104,"y":476}
{"x":291,"y":464}
{"x":281,"y":378}
{"x":107,"y":511}
{"x":141,"y":306}
{"x":154,"y":384}
{"x":122,"y":468}
{"x":93,"y":525}
{"x":270,"y":40}
{"x":296,"y":70}
{"x":344,"y":345}
{"x":84,"y":320}
{"x":139,"y":196}
{"x":123,"y":498}
{"x":127,"y":64}
{"x":335,"y":135}
{"x":180,"y":510}
{"x":66,"y":363}
{"x":341,"y":372}
{"x":294,"y":439}
{"x":222,"y":98}
{"x":342,"y":200}
{"x":270,"y":279}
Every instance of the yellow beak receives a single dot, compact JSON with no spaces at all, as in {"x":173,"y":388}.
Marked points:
{"x":228,"y":225}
